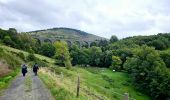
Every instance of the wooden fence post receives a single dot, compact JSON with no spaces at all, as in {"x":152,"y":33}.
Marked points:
{"x":78,"y":86}
{"x":126,"y":96}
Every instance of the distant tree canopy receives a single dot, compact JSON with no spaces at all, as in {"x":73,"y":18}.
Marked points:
{"x":21,"y":41}
{"x":160,"y":41}
{"x":93,"y":56}
{"x":149,"y":72}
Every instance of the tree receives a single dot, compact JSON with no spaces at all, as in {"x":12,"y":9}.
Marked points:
{"x":12,"y":30}
{"x":47,"y":49}
{"x":80,"y":56}
{"x":113,"y":39}
{"x":165,"y":55}
{"x":26,"y":42}
{"x":106,"y":59}
{"x":116,"y":62}
{"x":93,"y":44}
{"x":103,"y":43}
{"x":3,"y":33}
{"x":74,"y":53}
{"x":7,"y":40}
{"x":148,"y":72}
{"x":62,"y":54}
{"x":83,"y":57}
{"x":95,"y":54}
{"x":123,"y":54}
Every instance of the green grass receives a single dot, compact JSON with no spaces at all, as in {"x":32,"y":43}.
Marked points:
{"x":6,"y":80}
{"x":12,"y":63}
{"x":26,"y":53}
{"x":95,"y":83}
{"x":28,"y":83}
{"x":59,"y":93}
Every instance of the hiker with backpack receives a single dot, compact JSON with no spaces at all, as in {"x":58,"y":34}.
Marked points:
{"x":24,"y":69}
{"x":35,"y":69}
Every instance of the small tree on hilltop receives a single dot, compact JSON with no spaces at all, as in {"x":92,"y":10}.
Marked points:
{"x":62,"y":54}
{"x":113,"y":39}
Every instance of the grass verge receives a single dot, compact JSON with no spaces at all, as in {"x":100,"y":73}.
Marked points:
{"x":5,"y":80}
{"x":58,"y":92}
{"x":28,"y":83}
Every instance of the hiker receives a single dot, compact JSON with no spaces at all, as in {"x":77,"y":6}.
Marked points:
{"x":24,"y":69}
{"x":35,"y":68}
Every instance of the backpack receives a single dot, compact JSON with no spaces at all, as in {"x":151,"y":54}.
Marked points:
{"x":35,"y":67}
{"x":24,"y":69}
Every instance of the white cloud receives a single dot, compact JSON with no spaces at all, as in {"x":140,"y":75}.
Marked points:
{"x":101,"y":17}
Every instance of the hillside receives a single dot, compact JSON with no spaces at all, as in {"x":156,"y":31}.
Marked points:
{"x":9,"y":67}
{"x":66,"y":33}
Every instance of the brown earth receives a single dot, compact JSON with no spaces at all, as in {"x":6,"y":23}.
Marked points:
{"x":4,"y":68}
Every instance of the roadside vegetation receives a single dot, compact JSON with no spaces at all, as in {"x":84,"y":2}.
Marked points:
{"x":9,"y":67}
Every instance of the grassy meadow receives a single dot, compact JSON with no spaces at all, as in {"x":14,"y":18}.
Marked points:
{"x":95,"y":83}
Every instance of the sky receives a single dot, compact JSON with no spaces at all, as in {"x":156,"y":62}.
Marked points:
{"x":105,"y":18}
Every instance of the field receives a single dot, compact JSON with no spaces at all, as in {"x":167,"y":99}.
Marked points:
{"x":95,"y":83}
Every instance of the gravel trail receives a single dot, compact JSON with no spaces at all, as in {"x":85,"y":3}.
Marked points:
{"x":27,"y":88}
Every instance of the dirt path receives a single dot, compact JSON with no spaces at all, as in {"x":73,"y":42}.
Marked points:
{"x":27,"y":88}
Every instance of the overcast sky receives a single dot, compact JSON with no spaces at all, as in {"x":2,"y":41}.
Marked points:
{"x":104,"y":18}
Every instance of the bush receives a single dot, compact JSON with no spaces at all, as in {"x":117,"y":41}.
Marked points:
{"x":31,"y":57}
{"x":21,"y":55}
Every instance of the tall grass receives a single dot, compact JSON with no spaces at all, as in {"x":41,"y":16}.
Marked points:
{"x":96,"y":83}
{"x":6,"y":80}
{"x":10,"y":59}
{"x":13,"y":63}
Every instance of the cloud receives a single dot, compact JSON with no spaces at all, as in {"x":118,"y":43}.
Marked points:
{"x":100,"y":17}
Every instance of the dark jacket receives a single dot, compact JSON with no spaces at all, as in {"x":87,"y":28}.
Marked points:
{"x":35,"y":68}
{"x":24,"y":68}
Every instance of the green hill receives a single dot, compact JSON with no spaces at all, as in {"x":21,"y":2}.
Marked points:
{"x":66,"y":33}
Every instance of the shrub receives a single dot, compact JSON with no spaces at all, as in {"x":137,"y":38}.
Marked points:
{"x":31,"y":57}
{"x":21,"y":55}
